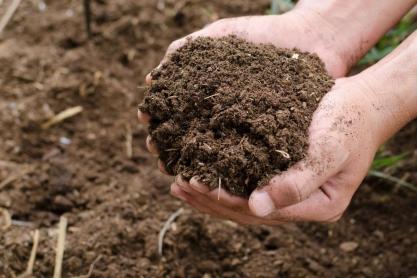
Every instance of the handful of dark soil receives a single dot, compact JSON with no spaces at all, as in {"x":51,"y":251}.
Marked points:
{"x":234,"y":113}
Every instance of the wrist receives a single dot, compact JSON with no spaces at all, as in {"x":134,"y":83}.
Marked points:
{"x":356,"y":25}
{"x":320,"y":36}
{"x":391,"y":88}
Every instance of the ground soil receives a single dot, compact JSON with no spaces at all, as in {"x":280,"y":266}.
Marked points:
{"x":233,"y":113}
{"x":116,"y":203}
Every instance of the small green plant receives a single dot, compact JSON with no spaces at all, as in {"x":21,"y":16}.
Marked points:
{"x":382,"y":162}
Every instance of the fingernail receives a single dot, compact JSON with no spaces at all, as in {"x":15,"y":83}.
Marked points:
{"x":262,"y":204}
{"x":194,"y":183}
{"x":180,"y":181}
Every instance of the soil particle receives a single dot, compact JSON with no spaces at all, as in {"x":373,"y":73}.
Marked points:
{"x":232,"y":112}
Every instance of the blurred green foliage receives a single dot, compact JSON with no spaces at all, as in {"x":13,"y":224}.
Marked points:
{"x":383,"y":161}
{"x":280,"y":6}
{"x":390,"y":40}
{"x":381,"y":165}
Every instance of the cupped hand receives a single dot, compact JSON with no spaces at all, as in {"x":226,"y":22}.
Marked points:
{"x":342,"y":143}
{"x":343,"y":138}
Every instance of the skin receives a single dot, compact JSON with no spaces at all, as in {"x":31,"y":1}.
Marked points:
{"x":352,"y":121}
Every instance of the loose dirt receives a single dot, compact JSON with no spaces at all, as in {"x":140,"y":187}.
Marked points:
{"x":116,"y":204}
{"x":233,"y":113}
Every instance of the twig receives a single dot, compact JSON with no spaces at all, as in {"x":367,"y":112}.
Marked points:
{"x":284,"y":154}
{"x":21,"y":223}
{"x":67,"y":113}
{"x":31,"y":263}
{"x":395,"y":180}
{"x":87,"y":16}
{"x":220,"y":187}
{"x":9,"y":14}
{"x":7,"y":164}
{"x":207,"y":146}
{"x":403,"y":178}
{"x":212,"y":96}
{"x":7,"y":219}
{"x":91,"y":269}
{"x":129,"y":147}
{"x":12,"y":178}
{"x":62,"y":231}
{"x":165,"y":228}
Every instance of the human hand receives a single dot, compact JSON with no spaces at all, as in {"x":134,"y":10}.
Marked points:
{"x":282,"y":31}
{"x":343,"y":139}
{"x":344,"y":136}
{"x":274,"y":30}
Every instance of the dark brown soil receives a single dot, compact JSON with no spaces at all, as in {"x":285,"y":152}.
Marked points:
{"x":233,"y":113}
{"x":117,"y":204}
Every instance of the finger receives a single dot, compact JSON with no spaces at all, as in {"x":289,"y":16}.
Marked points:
{"x":198,"y":186}
{"x":184,"y":185}
{"x":148,"y":79}
{"x":144,"y":118}
{"x":180,"y":42}
{"x":195,"y":202}
{"x":317,"y":208}
{"x":227,"y":200}
{"x":177,"y":192}
{"x":326,"y":204}
{"x":326,"y":158}
{"x":220,"y":196}
{"x":162,"y":168}
{"x":152,"y":148}
{"x":205,"y":204}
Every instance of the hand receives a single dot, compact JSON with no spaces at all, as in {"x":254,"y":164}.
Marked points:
{"x":298,"y":28}
{"x":343,"y":141}
{"x":282,"y":31}
{"x":344,"y":136}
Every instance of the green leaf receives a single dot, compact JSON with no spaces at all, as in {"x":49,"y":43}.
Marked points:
{"x":387,"y":161}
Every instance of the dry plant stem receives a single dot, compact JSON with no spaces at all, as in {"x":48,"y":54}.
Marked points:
{"x":220,"y":187}
{"x":33,"y":252}
{"x":91,"y":269}
{"x":21,"y":223}
{"x":211,"y":96}
{"x":9,"y":14}
{"x":87,"y":15}
{"x":165,"y":228}
{"x":7,"y":219}
{"x":129,"y":147}
{"x":12,"y":178}
{"x":403,"y":179}
{"x":284,"y":154}
{"x":397,"y":181}
{"x":67,"y":113}
{"x":62,"y":230}
{"x":31,"y":263}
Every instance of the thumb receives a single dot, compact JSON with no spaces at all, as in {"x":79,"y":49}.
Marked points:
{"x":326,"y":157}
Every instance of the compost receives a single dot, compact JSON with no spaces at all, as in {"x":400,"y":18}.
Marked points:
{"x":117,"y":203}
{"x":234,"y":113}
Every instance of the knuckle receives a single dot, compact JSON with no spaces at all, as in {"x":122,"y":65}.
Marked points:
{"x":174,"y":45}
{"x":294,"y":190}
